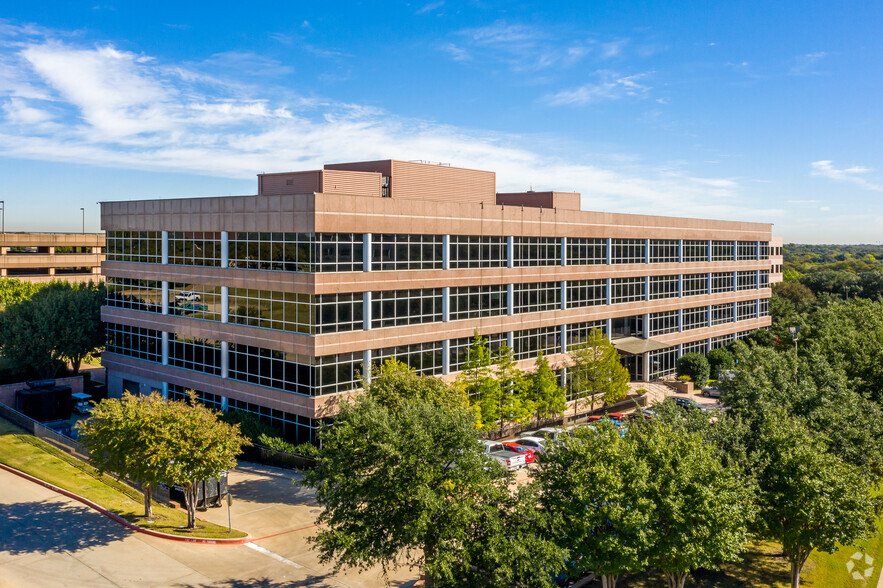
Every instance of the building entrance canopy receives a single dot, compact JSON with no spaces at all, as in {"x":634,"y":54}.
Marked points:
{"x":637,"y":346}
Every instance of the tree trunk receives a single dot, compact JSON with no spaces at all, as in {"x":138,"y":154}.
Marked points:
{"x":148,"y":494}
{"x":75,"y":365}
{"x":609,"y":580}
{"x":796,"y":568}
{"x":675,"y":579}
{"x":190,"y":505}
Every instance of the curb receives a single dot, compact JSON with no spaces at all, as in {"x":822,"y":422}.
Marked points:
{"x":121,"y":520}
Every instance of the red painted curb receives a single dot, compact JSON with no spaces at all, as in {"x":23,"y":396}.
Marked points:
{"x":121,"y":520}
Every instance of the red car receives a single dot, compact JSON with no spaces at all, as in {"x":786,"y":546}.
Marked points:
{"x":528,"y":454}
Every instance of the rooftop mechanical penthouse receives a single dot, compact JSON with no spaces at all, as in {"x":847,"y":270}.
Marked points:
{"x":274,"y":303}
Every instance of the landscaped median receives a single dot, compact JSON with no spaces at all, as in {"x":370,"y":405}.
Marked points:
{"x":35,"y":457}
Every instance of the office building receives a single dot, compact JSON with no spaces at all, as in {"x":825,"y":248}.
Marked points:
{"x":43,"y":257}
{"x":274,"y":303}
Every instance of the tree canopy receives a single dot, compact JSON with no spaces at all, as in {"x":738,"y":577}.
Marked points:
{"x":597,"y":370}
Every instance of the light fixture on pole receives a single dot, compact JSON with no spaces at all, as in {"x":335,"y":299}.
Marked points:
{"x":3,"y":211}
{"x":83,"y":211}
{"x":795,"y":332}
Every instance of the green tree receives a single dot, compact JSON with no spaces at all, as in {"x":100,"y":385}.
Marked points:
{"x":477,"y":379}
{"x":394,"y":384}
{"x":123,"y":437}
{"x":809,"y":498}
{"x":511,"y":402}
{"x":61,"y":322}
{"x":413,"y":486}
{"x":546,"y":396}
{"x":595,"y":489}
{"x":719,"y":361}
{"x":13,"y":291}
{"x":196,"y":446}
{"x":694,"y":365}
{"x":597,"y":370}
{"x":150,"y":441}
{"x":700,"y":510}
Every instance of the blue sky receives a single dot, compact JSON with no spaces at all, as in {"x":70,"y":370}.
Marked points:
{"x":760,"y":111}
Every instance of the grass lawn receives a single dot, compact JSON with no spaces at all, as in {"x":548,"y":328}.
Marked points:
{"x":38,"y":458}
{"x":764,"y":567}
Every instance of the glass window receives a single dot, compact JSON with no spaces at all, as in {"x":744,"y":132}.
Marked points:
{"x":537,"y":297}
{"x":586,"y":293}
{"x":136,"y":342}
{"x":134,"y":246}
{"x":663,"y":251}
{"x":662,"y":362}
{"x":722,"y":251}
{"x":746,"y":280}
{"x":695,"y":284}
{"x":297,"y":252}
{"x":628,"y":251}
{"x":426,"y":358}
{"x":582,"y":251}
{"x":460,"y":349}
{"x":536,"y":251}
{"x":746,"y":309}
{"x":721,"y":313}
{"x":746,"y":250}
{"x":626,"y":290}
{"x":722,"y":282}
{"x":195,"y":301}
{"x":195,"y":248}
{"x":199,"y":355}
{"x":695,"y":318}
{"x":477,"y":301}
{"x":662,"y":323}
{"x":145,"y":295}
{"x":406,"y":252}
{"x":406,"y":307}
{"x":695,"y":251}
{"x":663,"y":287}
{"x":468,"y":251}
{"x":528,"y":343}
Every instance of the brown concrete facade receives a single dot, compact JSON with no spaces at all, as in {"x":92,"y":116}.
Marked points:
{"x":44,"y":257}
{"x":406,"y":198}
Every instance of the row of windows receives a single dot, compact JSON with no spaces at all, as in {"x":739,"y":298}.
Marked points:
{"x":344,"y":252}
{"x":342,"y":372}
{"x":332,"y":313}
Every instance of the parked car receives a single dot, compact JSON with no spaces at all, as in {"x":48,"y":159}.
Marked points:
{"x":685,"y":402}
{"x":529,"y":455}
{"x":511,"y":460}
{"x":711,"y":392}
{"x":186,"y":296}
{"x":535,"y":444}
{"x":191,"y":306}
{"x":648,"y":413}
{"x":550,"y":433}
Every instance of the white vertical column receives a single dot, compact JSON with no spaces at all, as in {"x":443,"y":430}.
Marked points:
{"x":510,"y":251}
{"x":225,"y":404}
{"x":563,"y":250}
{"x":646,"y":325}
{"x":510,"y":299}
{"x":680,"y":349}
{"x":680,"y":320}
{"x":735,"y":251}
{"x":646,"y":362}
{"x":165,"y":247}
{"x":680,"y":285}
{"x":225,"y":359}
{"x":708,"y":317}
{"x":563,"y":295}
{"x":225,"y":304}
{"x":735,"y":281}
{"x":563,"y":334}
{"x":446,"y":252}
{"x":225,"y":249}
{"x":708,"y":345}
{"x":757,"y":308}
{"x":680,"y":251}
{"x":646,"y":250}
{"x":366,"y":252}
{"x":735,"y":312}
{"x":646,"y":288}
{"x":446,"y":304}
{"x":510,"y":340}
{"x":366,"y":365}
{"x":757,"y":280}
{"x":709,"y":282}
{"x":165,"y":347}
{"x":165,"y":297}
{"x":165,"y":390}
{"x":757,"y":257}
{"x":446,"y":356}
{"x":609,"y":251}
{"x":366,"y":310}
{"x":609,"y":329}
{"x":607,"y":288}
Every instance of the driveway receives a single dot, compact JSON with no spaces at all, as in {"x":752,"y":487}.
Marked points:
{"x":49,"y":540}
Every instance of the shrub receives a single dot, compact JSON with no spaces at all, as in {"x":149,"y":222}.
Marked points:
{"x":684,"y":379}
{"x":694,"y":365}
{"x":279,"y":444}
{"x":719,"y":361}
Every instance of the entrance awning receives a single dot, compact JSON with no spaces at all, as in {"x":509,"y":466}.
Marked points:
{"x":637,"y":346}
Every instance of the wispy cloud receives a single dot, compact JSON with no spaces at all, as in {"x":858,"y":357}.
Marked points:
{"x":805,"y":64}
{"x":609,"y":86}
{"x":107,"y":107}
{"x":430,"y":7}
{"x":852,"y":175}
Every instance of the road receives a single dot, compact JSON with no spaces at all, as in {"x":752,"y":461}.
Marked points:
{"x":48,"y":540}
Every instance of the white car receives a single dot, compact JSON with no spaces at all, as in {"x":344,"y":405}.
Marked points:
{"x":535,"y":444}
{"x":187,"y":296}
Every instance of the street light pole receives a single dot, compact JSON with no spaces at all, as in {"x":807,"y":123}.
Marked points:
{"x":3,"y":210}
{"x":83,"y":211}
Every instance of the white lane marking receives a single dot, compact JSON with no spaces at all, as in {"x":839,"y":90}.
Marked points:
{"x":269,"y":553}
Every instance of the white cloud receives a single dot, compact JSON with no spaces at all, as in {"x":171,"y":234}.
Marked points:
{"x":852,"y":175}
{"x":805,"y":64}
{"x":610,"y":86}
{"x":115,"y":108}
{"x":430,"y":7}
